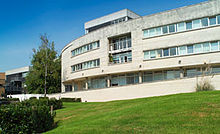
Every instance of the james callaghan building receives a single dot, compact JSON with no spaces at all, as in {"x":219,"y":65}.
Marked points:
{"x":123,"y":55}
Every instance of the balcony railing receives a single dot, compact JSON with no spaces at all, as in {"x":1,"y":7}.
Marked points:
{"x":120,"y":46}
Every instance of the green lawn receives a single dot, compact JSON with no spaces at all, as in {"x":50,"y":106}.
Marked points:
{"x":190,"y":113}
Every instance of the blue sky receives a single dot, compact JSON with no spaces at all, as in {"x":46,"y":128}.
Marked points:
{"x":23,"y":21}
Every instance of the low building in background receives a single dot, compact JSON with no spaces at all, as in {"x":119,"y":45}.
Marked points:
{"x":2,"y":83}
{"x":15,"y":80}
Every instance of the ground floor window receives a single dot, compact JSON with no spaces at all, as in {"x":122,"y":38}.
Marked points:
{"x":124,"y":79}
{"x":68,"y":88}
{"x":96,"y":83}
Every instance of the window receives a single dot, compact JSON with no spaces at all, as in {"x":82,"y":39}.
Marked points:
{"x":165,"y":29}
{"x":152,"y":32}
{"x":218,"y":18}
{"x":191,"y":72}
{"x":196,"y":23}
{"x":122,"y":57}
{"x":189,"y":25}
{"x":214,"y":46}
{"x":152,"y":54}
{"x":197,"y":48}
{"x":146,"y":55}
{"x":171,"y":74}
{"x":206,"y":47}
{"x":204,"y":22}
{"x":158,"y":31}
{"x":86,"y":65}
{"x":216,"y":70}
{"x":182,"y":50}
{"x":147,"y":77}
{"x":166,"y":52}
{"x":181,"y":27}
{"x":96,"y":83}
{"x":146,"y":33}
{"x":159,"y":53}
{"x":190,"y":49}
{"x":212,"y":21}
{"x":158,"y":75}
{"x":171,"y":28}
{"x":173,"y":51}
{"x":85,"y":48}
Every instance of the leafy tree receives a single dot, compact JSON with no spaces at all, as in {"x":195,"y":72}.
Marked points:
{"x":46,"y":64}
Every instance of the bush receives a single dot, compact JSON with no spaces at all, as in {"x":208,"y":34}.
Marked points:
{"x":204,"y":85}
{"x":16,"y":118}
{"x":71,"y":100}
{"x":31,"y":98}
{"x":57,"y":104}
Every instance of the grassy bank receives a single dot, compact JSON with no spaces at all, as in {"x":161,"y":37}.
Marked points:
{"x":182,"y":113}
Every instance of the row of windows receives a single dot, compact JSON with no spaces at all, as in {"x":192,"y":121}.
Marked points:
{"x":121,"y":43}
{"x":122,"y":57}
{"x":183,"y":50}
{"x":183,"y":26}
{"x":86,"y":65}
{"x":118,"y":20}
{"x":147,"y":76}
{"x":85,"y":48}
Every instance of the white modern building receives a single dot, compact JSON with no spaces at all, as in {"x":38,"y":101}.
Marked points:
{"x":124,"y":55}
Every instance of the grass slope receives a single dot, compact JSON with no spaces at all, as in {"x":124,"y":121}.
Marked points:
{"x":183,"y":113}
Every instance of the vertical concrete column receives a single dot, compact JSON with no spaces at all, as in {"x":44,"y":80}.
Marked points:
{"x":62,"y":87}
{"x":126,"y":18}
{"x":108,"y":81}
{"x":87,"y":85}
{"x":181,"y":73}
{"x":140,"y":77}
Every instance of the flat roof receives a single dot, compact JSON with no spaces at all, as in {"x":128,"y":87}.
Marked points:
{"x":111,"y":17}
{"x":17,"y":70}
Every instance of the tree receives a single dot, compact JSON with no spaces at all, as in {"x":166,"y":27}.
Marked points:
{"x":46,"y":67}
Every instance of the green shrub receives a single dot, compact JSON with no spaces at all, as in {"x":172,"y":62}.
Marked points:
{"x":204,"y":85}
{"x":32,"y":98}
{"x":17,"y":118}
{"x":71,"y":99}
{"x":43,"y":98}
{"x":57,"y":104}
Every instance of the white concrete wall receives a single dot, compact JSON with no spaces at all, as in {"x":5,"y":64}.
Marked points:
{"x":23,"y":97}
{"x":140,"y":90}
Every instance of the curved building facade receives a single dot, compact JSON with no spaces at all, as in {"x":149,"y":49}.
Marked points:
{"x":124,"y":55}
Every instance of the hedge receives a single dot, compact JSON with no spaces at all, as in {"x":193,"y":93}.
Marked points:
{"x":29,"y":116}
{"x":16,"y":118}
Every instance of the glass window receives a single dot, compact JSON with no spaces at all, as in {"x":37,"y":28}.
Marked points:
{"x":173,"y":51}
{"x":152,"y":32}
{"x":171,"y":74}
{"x":204,"y":22}
{"x":73,"y":53}
{"x":196,"y":23}
{"x":190,"y":49}
{"x":191,"y":72}
{"x":212,"y":21}
{"x":218,"y":18}
{"x":214,"y":46}
{"x":159,"y":53}
{"x":166,"y":52}
{"x":158,"y":31}
{"x":146,"y":33}
{"x":189,"y":25}
{"x":197,"y":48}
{"x":146,"y":55}
{"x":171,"y":28}
{"x":158,"y":75}
{"x":165,"y":29}
{"x":182,"y":50}
{"x":147,"y":77}
{"x":206,"y":47}
{"x":98,"y":44}
{"x":181,"y":27}
{"x":216,"y":70}
{"x":153,"y":54}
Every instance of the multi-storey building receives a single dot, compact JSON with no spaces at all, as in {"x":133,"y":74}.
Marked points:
{"x":2,"y":83}
{"x":124,"y":55}
{"x":15,"y":80}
